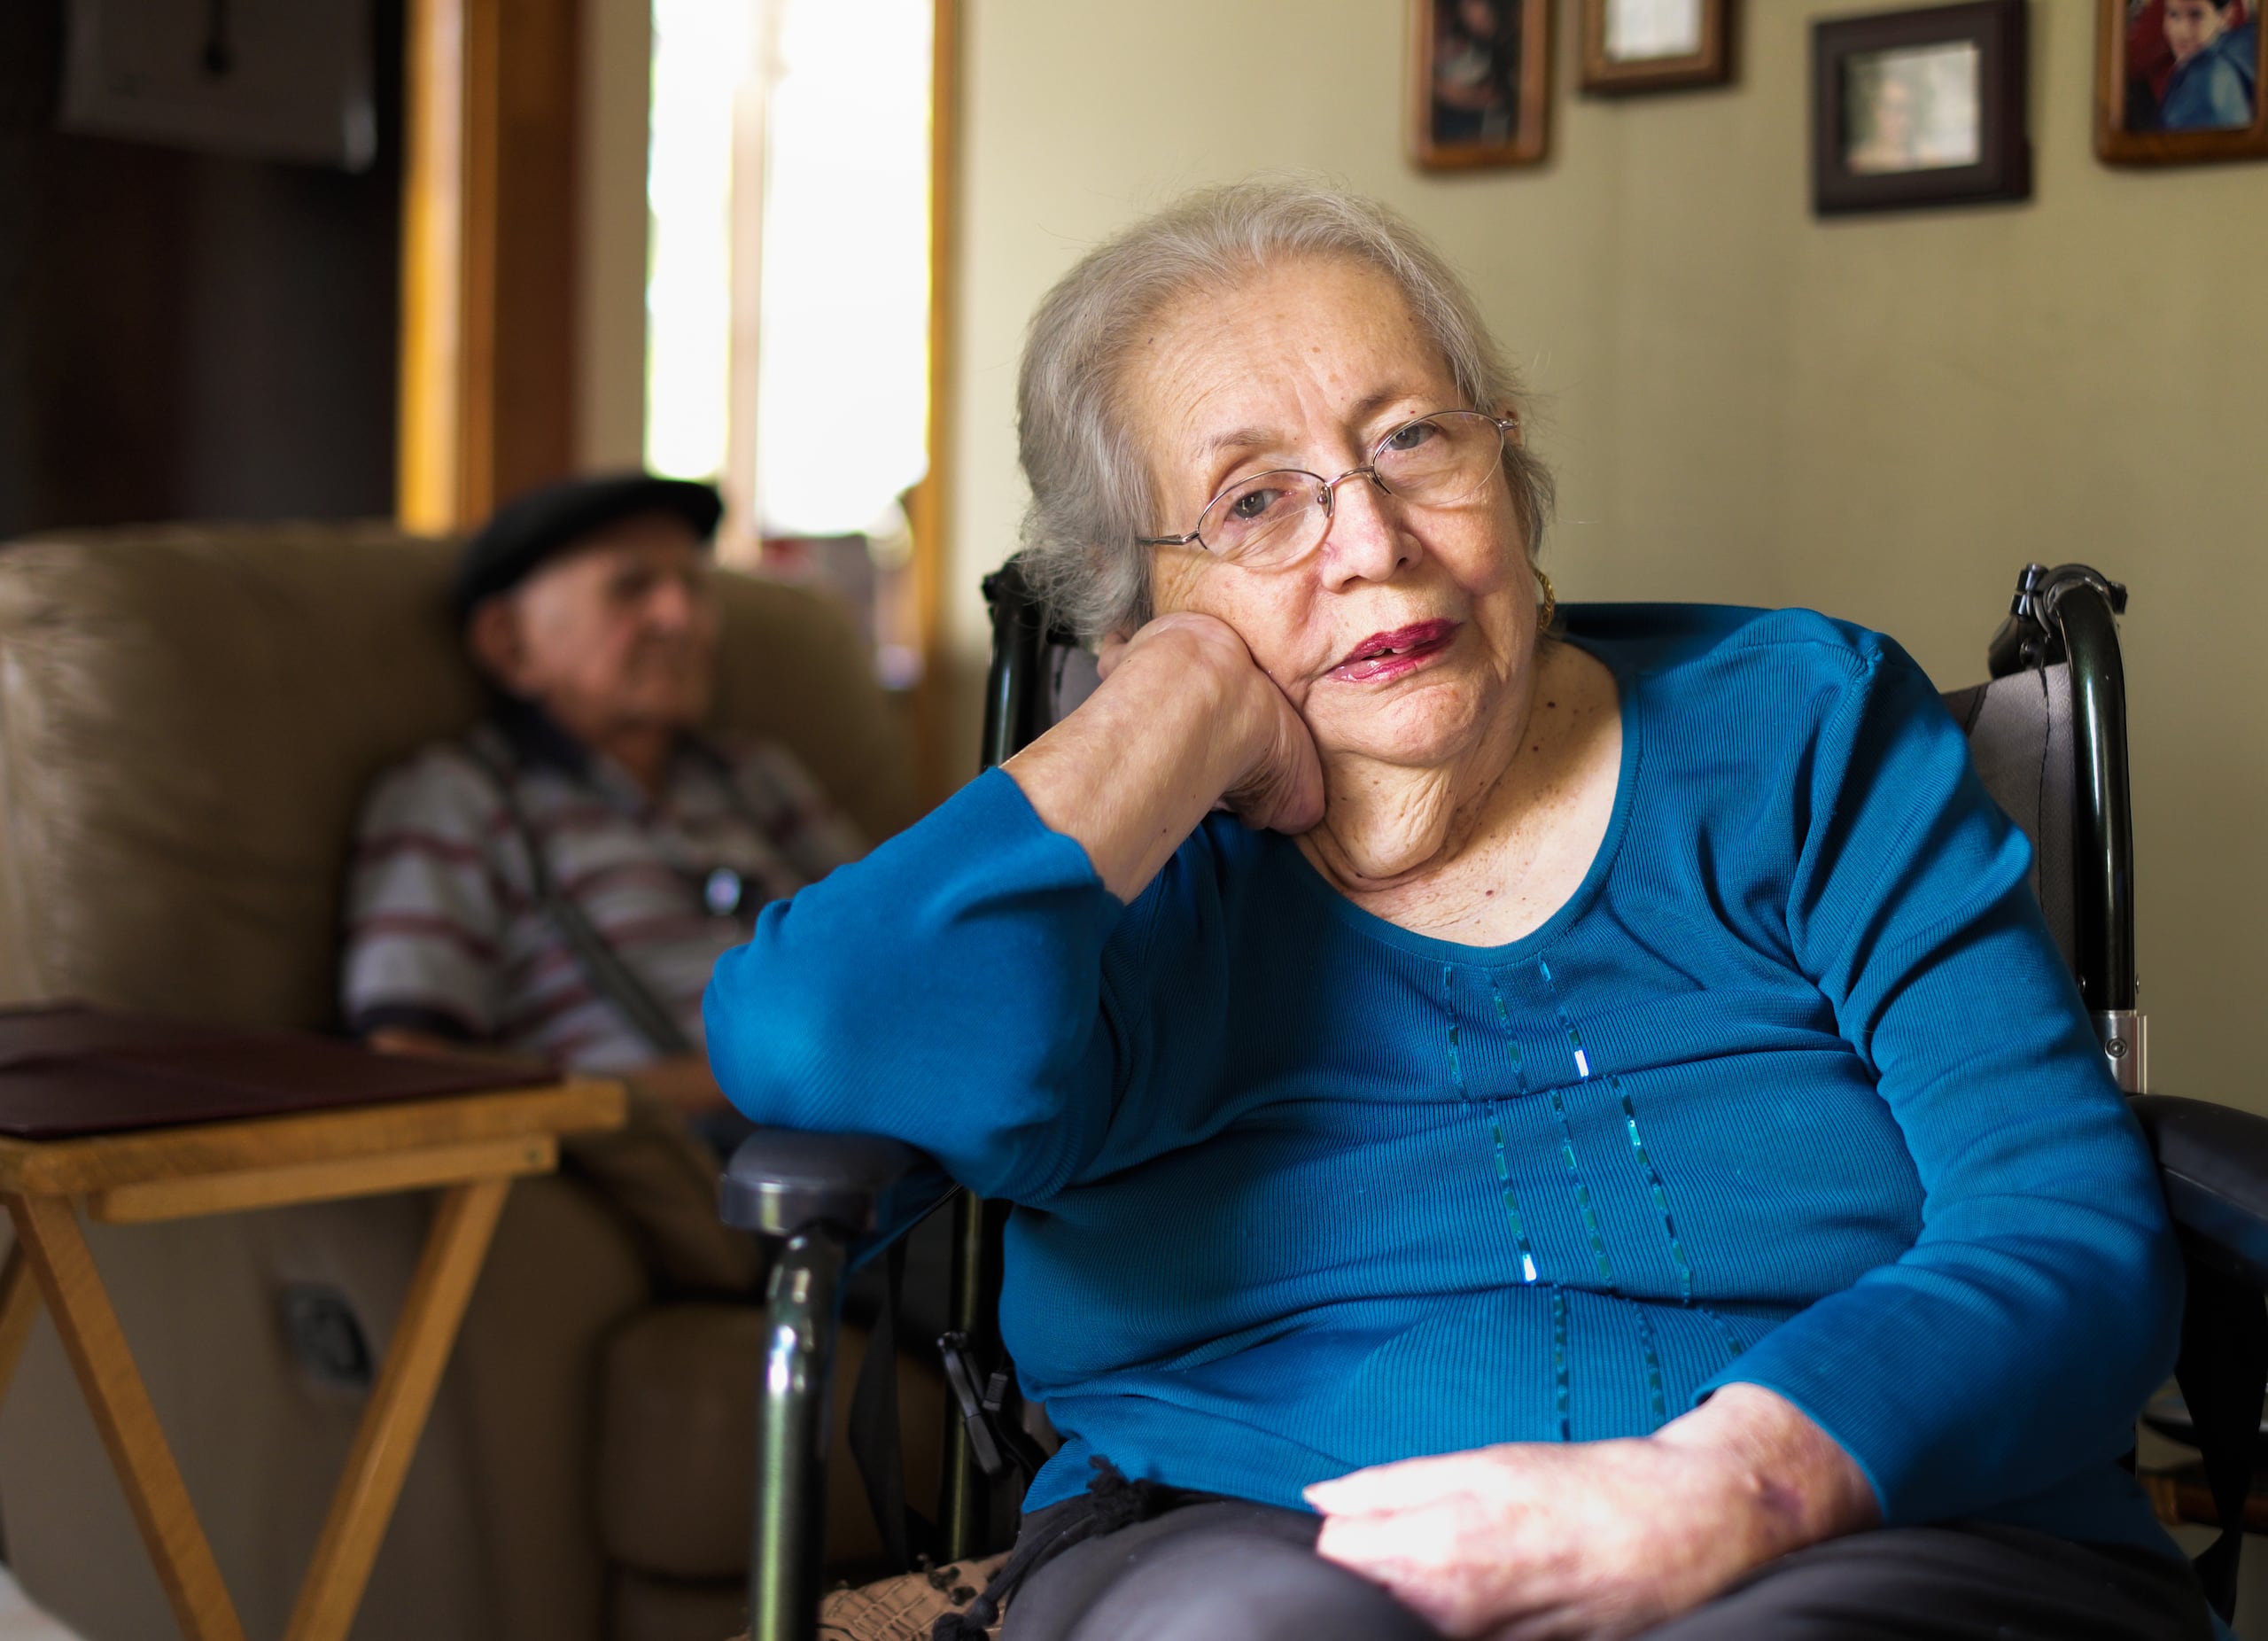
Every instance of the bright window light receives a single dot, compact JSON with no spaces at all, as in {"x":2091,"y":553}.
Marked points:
{"x":702,"y":54}
{"x":842,"y":367}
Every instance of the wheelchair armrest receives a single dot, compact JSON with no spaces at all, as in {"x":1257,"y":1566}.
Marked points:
{"x":2214,"y":1162}
{"x":865,"y":1190}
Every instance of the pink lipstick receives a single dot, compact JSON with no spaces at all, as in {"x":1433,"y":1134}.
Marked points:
{"x":1384,"y":655}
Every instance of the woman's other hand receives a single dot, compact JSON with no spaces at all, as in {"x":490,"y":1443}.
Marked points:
{"x":1596,"y":1539}
{"x":1184,"y":719}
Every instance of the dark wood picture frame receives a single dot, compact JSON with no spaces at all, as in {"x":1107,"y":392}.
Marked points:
{"x":1523,"y":33}
{"x":2119,"y":138}
{"x":2002,"y":169}
{"x":1712,"y":64}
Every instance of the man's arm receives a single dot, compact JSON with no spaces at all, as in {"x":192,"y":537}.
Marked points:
{"x":424,"y":917}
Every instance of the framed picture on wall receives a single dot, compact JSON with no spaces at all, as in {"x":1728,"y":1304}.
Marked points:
{"x":1480,"y":82}
{"x":2178,"y":81}
{"x":1921,"y":107}
{"x":1656,"y":45}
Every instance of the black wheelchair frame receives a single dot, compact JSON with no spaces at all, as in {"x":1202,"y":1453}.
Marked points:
{"x":838,"y":1202}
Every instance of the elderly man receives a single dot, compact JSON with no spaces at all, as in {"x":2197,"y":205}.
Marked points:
{"x":559,"y":883}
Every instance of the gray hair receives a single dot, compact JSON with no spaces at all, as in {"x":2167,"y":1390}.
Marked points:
{"x":1090,"y":487}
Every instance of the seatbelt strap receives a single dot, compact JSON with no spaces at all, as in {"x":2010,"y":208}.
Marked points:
{"x":610,"y":976}
{"x":991,"y":1410}
{"x":876,"y":1444}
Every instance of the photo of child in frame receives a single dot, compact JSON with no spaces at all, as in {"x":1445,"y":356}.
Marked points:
{"x":1479,"y":82}
{"x":1475,"y":80}
{"x":2192,"y":65}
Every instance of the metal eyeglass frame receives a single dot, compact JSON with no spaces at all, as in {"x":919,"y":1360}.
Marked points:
{"x":1505,"y":426}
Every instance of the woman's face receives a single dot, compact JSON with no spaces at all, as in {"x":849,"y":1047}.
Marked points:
{"x":1308,"y":365}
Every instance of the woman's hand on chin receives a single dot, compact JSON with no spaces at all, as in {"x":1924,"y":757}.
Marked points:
{"x":1282,"y":781}
{"x":1595,"y":1539}
{"x":1185,"y":720}
{"x":1277,"y":784}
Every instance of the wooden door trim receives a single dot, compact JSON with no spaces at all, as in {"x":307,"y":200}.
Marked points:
{"x":488,"y":217}
{"x":433,"y":262}
{"x":932,"y":512}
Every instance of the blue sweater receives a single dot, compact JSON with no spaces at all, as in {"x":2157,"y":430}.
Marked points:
{"x":1795,"y":1089}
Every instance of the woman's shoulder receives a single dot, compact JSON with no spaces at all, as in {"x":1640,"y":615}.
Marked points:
{"x":1738,"y":692}
{"x":1693,"y":644}
{"x":1760,"y":722}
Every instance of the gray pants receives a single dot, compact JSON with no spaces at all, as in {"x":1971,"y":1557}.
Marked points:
{"x":1233,"y":1571}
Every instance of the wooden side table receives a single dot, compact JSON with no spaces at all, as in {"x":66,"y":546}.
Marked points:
{"x":470,"y":1147}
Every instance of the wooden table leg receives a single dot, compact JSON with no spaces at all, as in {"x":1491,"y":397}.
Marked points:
{"x":454,"y":1251}
{"x":47,"y":1231}
{"x":18,"y":1310}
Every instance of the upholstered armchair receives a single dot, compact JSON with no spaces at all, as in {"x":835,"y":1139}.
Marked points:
{"x":188,"y":721}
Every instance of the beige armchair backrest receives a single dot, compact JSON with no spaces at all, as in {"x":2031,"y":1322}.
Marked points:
{"x":189,"y":717}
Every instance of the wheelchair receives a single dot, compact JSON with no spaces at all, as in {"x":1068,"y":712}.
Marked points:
{"x":2048,"y":734}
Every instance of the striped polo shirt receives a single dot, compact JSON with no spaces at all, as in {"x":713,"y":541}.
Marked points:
{"x":444,"y":933}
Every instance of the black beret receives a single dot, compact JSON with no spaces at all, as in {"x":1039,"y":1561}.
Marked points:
{"x":544,"y":523}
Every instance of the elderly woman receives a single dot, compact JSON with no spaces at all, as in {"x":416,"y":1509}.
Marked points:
{"x":1595,"y":1139}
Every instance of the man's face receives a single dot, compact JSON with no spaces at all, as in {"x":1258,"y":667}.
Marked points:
{"x":617,"y":634}
{"x":2191,"y":26}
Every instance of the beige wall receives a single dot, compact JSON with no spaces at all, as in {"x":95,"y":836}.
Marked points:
{"x":1884,"y":418}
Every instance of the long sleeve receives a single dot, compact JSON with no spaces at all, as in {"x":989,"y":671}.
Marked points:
{"x":2009,"y":1346}
{"x":946,"y":990}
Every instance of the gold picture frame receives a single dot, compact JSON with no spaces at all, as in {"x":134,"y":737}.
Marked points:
{"x":2142,"y":77}
{"x":1479,"y":82}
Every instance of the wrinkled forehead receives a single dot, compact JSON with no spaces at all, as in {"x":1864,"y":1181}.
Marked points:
{"x":1284,"y":351}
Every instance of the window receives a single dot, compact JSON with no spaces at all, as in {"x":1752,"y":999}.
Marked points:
{"x":788,"y":300}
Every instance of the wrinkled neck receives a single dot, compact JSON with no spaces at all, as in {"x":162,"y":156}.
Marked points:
{"x":1389,"y":826}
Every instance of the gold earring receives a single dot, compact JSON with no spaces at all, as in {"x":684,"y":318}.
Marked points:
{"x":1550,"y":604}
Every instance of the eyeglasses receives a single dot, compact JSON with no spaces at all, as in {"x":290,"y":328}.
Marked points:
{"x":1274,"y":518}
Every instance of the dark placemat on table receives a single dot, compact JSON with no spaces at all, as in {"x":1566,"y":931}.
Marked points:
{"x":70,"y":1068}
